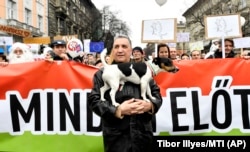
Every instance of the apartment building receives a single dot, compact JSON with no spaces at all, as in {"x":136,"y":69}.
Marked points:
{"x":72,"y":17}
{"x":23,"y":18}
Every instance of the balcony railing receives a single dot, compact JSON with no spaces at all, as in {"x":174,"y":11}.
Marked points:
{"x":14,"y":22}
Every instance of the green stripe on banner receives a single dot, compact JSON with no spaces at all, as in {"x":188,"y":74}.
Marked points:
{"x":50,"y":143}
{"x":72,"y":143}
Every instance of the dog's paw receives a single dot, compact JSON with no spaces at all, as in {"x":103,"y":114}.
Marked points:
{"x":153,"y":98}
{"x":116,"y":104}
{"x":147,"y":100}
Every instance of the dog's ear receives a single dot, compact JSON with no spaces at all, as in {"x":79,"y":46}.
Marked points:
{"x":156,"y":60}
{"x":167,"y":61}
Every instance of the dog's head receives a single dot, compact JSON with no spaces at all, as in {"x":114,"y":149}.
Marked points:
{"x":166,"y":64}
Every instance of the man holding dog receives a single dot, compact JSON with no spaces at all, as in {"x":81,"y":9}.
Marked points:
{"x":128,"y":127}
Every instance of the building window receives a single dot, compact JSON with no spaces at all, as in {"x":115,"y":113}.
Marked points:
{"x":69,"y":30}
{"x":74,"y":16}
{"x":61,"y":24}
{"x":39,"y":1}
{"x":12,"y":13}
{"x":27,"y":16}
{"x":40,"y":22}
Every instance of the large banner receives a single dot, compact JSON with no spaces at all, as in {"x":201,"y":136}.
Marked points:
{"x":43,"y":105}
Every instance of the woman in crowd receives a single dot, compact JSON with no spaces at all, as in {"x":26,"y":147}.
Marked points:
{"x":163,"y":50}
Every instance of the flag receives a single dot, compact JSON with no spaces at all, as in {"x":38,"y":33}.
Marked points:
{"x":96,"y":46}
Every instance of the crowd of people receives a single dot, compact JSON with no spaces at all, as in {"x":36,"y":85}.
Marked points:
{"x":57,"y":50}
{"x":214,"y":52}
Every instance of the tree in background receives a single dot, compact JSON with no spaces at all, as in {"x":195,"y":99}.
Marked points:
{"x":105,"y":25}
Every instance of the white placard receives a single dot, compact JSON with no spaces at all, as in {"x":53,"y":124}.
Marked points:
{"x":171,"y":45}
{"x":243,"y":42}
{"x":86,"y":44}
{"x":183,"y":37}
{"x":196,"y":46}
{"x":6,"y":40}
{"x":161,"y":30}
{"x":227,"y":26}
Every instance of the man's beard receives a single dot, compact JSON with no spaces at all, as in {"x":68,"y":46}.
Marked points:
{"x":13,"y":58}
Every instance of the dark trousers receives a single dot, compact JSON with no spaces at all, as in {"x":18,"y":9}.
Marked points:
{"x":129,"y":140}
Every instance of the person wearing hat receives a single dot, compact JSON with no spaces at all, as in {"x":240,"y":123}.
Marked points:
{"x":59,"y":50}
{"x":138,"y":55}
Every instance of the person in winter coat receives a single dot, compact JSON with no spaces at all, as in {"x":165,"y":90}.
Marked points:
{"x":127,"y":127}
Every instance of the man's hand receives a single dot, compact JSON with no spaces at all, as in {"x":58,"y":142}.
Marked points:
{"x":64,"y":56}
{"x":4,"y":64}
{"x":147,"y":106}
{"x":135,"y":106}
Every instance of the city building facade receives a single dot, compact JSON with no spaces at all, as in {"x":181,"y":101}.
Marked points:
{"x":47,"y":18}
{"x":72,"y":17}
{"x":23,"y":18}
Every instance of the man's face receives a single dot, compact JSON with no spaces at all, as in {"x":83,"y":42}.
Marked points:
{"x":122,"y":50}
{"x":195,"y":55}
{"x":173,"y":53}
{"x":18,"y":52}
{"x":59,"y":49}
{"x":91,"y":59}
{"x":228,"y":47}
{"x":18,"y":56}
{"x":137,"y":54}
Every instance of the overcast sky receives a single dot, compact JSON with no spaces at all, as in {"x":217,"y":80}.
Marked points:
{"x":133,"y":12}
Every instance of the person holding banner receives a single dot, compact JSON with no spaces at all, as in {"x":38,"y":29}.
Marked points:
{"x":20,"y":53}
{"x":3,"y":60}
{"x":245,"y":54}
{"x":59,"y":50}
{"x":229,"y":52}
{"x":127,"y":127}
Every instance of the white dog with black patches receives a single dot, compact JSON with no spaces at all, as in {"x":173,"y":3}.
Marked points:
{"x":141,"y":73}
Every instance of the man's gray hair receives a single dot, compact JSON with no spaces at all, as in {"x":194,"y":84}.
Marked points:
{"x":123,"y":36}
